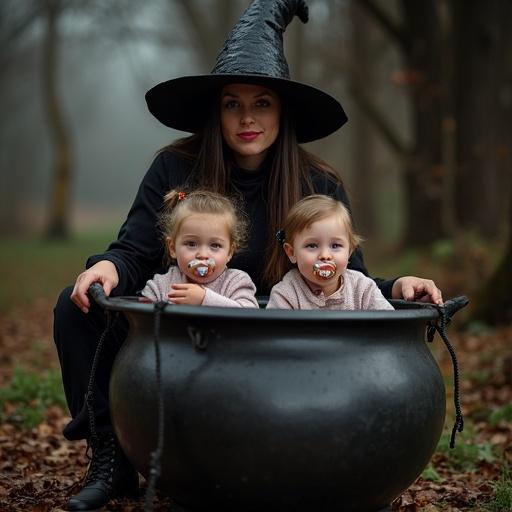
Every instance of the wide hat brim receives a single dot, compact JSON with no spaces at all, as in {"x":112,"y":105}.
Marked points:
{"x":184,"y":103}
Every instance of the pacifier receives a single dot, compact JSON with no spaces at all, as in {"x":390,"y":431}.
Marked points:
{"x":202,"y":268}
{"x":324,"y":269}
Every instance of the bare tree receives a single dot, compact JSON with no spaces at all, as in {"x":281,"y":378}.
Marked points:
{"x":492,"y":302}
{"x":453,"y":58}
{"x":58,"y":226}
{"x":482,"y":62}
{"x":361,"y":78}
{"x":17,"y":20}
{"x":210,"y":24}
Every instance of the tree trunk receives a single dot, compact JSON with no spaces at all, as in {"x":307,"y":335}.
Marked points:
{"x":363,"y":181}
{"x":492,"y":302}
{"x":449,"y":125}
{"x":58,"y":226}
{"x":481,"y":32}
{"x":210,"y":26}
{"x":419,"y":40}
{"x":423,"y":180}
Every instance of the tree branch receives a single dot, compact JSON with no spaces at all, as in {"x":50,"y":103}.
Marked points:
{"x":201,"y":30}
{"x":20,"y":26}
{"x":379,"y":120}
{"x":379,"y":15}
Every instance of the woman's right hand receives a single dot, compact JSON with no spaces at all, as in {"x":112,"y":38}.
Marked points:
{"x":103,"y":272}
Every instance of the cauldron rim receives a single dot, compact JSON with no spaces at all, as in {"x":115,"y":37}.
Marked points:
{"x":131,"y":305}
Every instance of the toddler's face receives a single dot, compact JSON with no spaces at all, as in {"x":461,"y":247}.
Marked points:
{"x":321,"y":253}
{"x":202,"y":247}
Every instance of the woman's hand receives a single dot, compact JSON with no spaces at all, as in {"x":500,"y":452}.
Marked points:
{"x":417,"y":289}
{"x":103,"y":272}
{"x":187,"y":293}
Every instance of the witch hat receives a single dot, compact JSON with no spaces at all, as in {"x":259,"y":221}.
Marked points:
{"x":253,"y":53}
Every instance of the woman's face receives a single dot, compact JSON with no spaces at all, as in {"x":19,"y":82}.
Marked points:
{"x":249,"y":117}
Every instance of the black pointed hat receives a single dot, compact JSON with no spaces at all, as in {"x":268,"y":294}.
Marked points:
{"x":253,"y":53}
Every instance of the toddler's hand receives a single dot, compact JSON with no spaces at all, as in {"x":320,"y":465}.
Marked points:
{"x":187,"y":293}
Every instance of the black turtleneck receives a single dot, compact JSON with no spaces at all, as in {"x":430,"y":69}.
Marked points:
{"x":250,"y":186}
{"x":138,"y":251}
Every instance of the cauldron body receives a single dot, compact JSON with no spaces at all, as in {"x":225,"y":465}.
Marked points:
{"x":280,"y":410}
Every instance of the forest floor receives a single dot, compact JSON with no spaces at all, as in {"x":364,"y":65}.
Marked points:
{"x":39,"y":469}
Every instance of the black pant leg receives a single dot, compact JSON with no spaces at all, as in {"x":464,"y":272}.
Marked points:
{"x":76,"y":336}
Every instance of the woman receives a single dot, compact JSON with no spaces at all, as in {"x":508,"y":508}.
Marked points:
{"x":247,"y":118}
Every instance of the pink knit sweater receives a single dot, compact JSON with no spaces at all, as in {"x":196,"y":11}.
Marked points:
{"x":233,"y":288}
{"x":356,"y":292}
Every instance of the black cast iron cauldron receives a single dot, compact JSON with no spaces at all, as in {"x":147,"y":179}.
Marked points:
{"x":279,"y":410}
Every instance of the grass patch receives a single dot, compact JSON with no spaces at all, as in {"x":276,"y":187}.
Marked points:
{"x":477,"y":376}
{"x":501,"y":414}
{"x":465,"y":455}
{"x":502,"y":499}
{"x":24,"y":400}
{"x":35,"y":268}
{"x":429,"y":473}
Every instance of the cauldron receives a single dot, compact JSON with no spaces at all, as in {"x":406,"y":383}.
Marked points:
{"x":279,"y":410}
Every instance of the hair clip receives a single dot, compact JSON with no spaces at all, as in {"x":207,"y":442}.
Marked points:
{"x":181,"y":196}
{"x":280,"y":237}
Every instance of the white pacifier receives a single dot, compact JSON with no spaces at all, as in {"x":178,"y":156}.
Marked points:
{"x":324,"y":269}
{"x":202,"y":268}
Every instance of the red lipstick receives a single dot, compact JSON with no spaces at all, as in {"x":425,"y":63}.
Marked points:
{"x":248,"y":136}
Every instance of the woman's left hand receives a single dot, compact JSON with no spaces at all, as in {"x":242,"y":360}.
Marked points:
{"x":417,"y":289}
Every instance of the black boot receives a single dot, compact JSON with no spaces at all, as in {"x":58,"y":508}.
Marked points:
{"x":110,"y":476}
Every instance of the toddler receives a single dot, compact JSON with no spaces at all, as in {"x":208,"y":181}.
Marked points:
{"x":202,"y":230}
{"x":318,"y":240}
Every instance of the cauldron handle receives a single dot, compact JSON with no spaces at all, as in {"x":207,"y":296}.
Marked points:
{"x":446,"y":312}
{"x":97,"y":292}
{"x":451,"y":306}
{"x":448,"y":308}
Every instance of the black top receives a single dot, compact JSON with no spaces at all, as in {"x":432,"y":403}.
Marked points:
{"x":138,"y":252}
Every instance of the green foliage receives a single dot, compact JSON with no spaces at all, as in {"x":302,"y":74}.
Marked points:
{"x":501,"y":414}
{"x":25,"y":399}
{"x":36,"y":268}
{"x":502,"y":500}
{"x":478,"y":328}
{"x":478,"y":376}
{"x":466,"y":454}
{"x":429,"y":473}
{"x":443,"y":250}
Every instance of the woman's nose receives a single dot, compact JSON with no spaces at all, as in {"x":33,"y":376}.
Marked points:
{"x":247,"y":117}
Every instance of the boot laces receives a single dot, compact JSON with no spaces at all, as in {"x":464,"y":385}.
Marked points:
{"x":103,"y":459}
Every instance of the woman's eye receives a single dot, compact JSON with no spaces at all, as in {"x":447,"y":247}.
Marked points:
{"x":263,"y":103}
{"x":230,"y":104}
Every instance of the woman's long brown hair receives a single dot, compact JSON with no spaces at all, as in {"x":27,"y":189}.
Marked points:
{"x":289,"y":177}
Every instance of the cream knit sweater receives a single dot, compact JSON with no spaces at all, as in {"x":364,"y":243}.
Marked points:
{"x":356,"y":292}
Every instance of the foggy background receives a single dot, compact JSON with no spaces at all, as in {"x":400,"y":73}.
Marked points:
{"x":411,"y":75}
